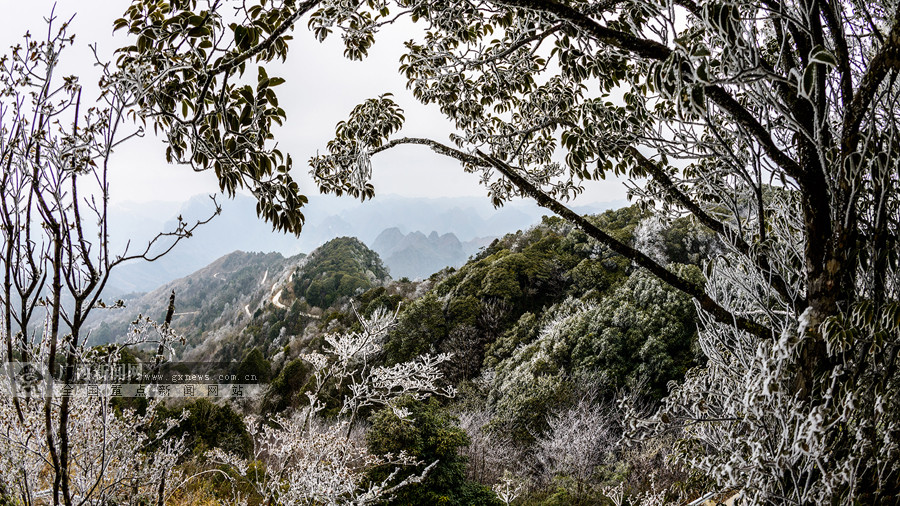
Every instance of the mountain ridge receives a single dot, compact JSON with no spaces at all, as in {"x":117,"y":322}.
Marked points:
{"x":238,"y":228}
{"x":417,"y":256}
{"x":225,"y":295}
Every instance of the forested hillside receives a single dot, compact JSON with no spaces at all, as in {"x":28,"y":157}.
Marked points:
{"x":226,"y":297}
{"x":215,"y":297}
{"x":539,"y":335}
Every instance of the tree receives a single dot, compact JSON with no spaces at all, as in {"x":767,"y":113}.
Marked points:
{"x":254,"y":367}
{"x":303,"y":458}
{"x":55,"y":149}
{"x":770,"y":122}
{"x":579,"y":440}
{"x":114,"y":457}
{"x":56,"y":261}
{"x":208,"y":426}
{"x":430,"y":435}
{"x":188,"y":67}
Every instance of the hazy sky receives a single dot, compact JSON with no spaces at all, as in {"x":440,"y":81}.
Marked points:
{"x":321,"y":88}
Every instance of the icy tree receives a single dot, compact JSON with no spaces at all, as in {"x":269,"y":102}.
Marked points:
{"x":307,"y":460}
{"x":578,"y":440}
{"x":648,"y":239}
{"x":509,"y":488}
{"x":111,"y":457}
{"x":55,"y":150}
{"x":746,"y":423}
{"x":190,"y":67}
{"x":299,"y":460}
{"x":350,"y":361}
{"x":489,"y":453}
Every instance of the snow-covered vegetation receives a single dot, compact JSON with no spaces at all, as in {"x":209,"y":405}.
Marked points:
{"x":733,"y":335}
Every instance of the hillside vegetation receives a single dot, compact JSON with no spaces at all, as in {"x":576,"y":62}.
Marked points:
{"x":209,"y":300}
{"x":545,"y":331}
{"x":240,"y":292}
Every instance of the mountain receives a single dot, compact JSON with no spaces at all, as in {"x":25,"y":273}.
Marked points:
{"x":417,"y":256}
{"x":221,"y":299}
{"x":238,"y":228}
{"x":217,"y":296}
{"x":339,"y":268}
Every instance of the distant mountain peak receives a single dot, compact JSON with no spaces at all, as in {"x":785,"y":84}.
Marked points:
{"x":415,"y":255}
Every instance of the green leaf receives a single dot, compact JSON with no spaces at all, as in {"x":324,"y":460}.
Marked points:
{"x":808,"y":81}
{"x":820,"y":54}
{"x":198,"y":31}
{"x":241,"y":37}
{"x":247,"y":94}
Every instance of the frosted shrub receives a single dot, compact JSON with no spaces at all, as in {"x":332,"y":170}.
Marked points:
{"x":114,"y":458}
{"x":303,"y":459}
{"x":578,"y":440}
{"x":648,"y":239}
{"x":299,"y":461}
{"x":489,"y":454}
{"x":349,"y":360}
{"x":509,"y":488}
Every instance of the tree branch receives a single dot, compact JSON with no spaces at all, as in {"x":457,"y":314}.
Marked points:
{"x":841,"y":51}
{"x":722,"y":229}
{"x":743,"y":117}
{"x":887,"y":58}
{"x":718,"y":312}
{"x":540,"y":36}
{"x":656,"y":51}
{"x":712,"y":307}
{"x":230,"y":64}
{"x":642,"y":47}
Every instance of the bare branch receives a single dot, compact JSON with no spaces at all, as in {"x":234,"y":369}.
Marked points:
{"x":727,"y":233}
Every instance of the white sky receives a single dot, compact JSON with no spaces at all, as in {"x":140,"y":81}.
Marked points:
{"x":322,"y":86}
